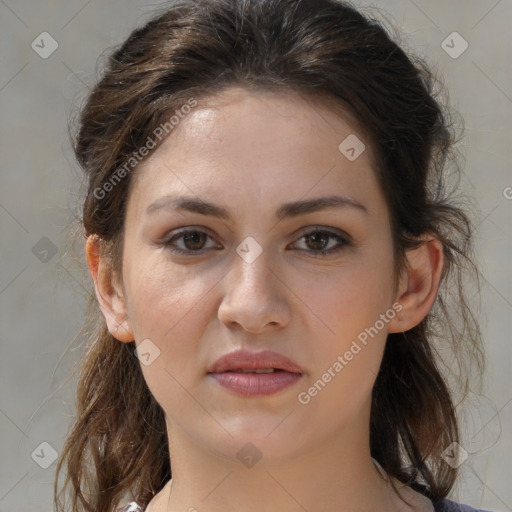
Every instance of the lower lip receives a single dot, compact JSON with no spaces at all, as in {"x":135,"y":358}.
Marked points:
{"x":256,"y":384}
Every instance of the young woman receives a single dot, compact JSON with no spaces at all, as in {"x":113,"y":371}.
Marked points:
{"x":276,"y":260}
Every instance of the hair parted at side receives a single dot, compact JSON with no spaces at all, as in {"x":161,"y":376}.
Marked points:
{"x":325,"y":48}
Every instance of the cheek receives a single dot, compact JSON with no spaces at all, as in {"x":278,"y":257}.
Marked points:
{"x":349,"y":346}
{"x":163,"y":296}
{"x":168,"y":305}
{"x":345,"y":308}
{"x":348,"y":298}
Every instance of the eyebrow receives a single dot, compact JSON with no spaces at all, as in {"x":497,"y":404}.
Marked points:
{"x":292,"y":209}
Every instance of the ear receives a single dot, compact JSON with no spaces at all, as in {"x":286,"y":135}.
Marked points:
{"x":418,"y":285}
{"x":110,"y":297}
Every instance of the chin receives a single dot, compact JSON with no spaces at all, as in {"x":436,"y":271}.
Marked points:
{"x":261,"y":443}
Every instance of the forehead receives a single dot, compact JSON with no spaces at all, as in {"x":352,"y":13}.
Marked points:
{"x":270,"y":118}
{"x":261,"y":143}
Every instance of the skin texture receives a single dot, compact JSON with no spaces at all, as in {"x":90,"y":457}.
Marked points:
{"x":250,"y":152}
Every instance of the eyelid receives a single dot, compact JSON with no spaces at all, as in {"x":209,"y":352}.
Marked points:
{"x":316,"y":228}
{"x":179,"y":232}
{"x":343,"y":238}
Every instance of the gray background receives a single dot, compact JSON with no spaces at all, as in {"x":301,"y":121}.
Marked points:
{"x":42,"y":293}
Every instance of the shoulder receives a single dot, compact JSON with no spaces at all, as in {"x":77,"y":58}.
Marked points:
{"x":158,"y":500}
{"x":131,"y":507}
{"x":452,"y":506}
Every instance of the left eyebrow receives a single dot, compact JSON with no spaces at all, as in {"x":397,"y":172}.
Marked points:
{"x":291,"y":209}
{"x":296,"y":208}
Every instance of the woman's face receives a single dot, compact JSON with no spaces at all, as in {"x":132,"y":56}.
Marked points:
{"x":254,"y":276}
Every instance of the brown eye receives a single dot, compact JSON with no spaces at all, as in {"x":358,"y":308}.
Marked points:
{"x":194,"y":240}
{"x":317,"y":241}
{"x":189,"y":242}
{"x":324,"y":242}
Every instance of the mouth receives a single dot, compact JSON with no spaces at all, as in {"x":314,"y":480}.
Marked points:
{"x":252,"y":374}
{"x":245,"y":361}
{"x":257,"y":370}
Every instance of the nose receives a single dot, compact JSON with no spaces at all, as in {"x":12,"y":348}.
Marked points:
{"x":255,"y":299}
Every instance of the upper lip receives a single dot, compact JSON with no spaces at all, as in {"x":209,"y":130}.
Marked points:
{"x":247,"y":360}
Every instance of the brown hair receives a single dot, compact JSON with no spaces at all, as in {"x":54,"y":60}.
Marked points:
{"x":321,"y":48}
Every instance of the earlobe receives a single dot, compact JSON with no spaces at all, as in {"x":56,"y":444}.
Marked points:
{"x":419,"y":284}
{"x":111,"y":300}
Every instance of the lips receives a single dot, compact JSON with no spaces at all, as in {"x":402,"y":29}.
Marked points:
{"x":244,"y":361}
{"x":255,"y":374}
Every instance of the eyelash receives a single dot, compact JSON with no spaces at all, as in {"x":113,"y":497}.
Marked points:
{"x":343,"y":241}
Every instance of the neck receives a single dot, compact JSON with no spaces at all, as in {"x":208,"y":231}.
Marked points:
{"x":338,"y":475}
